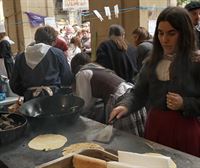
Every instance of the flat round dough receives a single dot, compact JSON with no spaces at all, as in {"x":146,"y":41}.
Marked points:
{"x":81,"y":146}
{"x":47,"y":142}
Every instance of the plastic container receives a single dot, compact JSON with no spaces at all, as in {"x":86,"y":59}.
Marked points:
{"x":2,"y":96}
{"x":3,"y":87}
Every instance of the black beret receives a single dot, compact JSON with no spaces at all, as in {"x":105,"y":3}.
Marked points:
{"x":192,"y":6}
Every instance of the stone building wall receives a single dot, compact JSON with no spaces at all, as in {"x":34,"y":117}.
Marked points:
{"x":17,"y":23}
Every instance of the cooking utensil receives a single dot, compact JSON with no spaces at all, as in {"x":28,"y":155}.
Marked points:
{"x":3,"y":165}
{"x":106,"y":133}
{"x":58,"y":108}
{"x":13,"y":133}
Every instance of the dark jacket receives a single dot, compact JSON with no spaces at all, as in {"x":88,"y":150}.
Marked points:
{"x":40,"y":65}
{"x":152,"y":90}
{"x":124,"y":63}
{"x":144,"y":49}
{"x":6,"y":54}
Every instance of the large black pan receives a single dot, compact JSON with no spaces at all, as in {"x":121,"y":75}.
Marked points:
{"x":58,"y":107}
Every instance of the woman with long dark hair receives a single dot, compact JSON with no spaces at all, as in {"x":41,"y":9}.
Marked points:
{"x":170,"y":82}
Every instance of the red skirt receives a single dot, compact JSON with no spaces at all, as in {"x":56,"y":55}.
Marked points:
{"x":171,"y":129}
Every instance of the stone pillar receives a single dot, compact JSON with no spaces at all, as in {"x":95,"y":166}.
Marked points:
{"x":10,"y":17}
{"x":17,"y":23}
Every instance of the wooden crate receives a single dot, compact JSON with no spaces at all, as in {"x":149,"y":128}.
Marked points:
{"x":66,"y":161}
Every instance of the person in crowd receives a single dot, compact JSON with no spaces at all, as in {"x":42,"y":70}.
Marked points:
{"x":194,"y":10}
{"x":69,"y":33}
{"x":79,"y":34}
{"x":41,"y":69}
{"x":143,"y":42}
{"x":62,"y":32}
{"x":117,"y":55}
{"x":85,"y":36}
{"x":76,"y":28}
{"x":74,"y":48}
{"x":6,"y":58}
{"x":86,"y":40}
{"x":61,"y":44}
{"x":170,"y":81}
{"x":92,"y":82}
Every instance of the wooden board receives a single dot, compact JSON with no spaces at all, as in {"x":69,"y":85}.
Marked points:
{"x":67,"y":161}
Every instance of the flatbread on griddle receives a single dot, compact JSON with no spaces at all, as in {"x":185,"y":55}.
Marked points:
{"x":47,"y":142}
{"x":80,"y":146}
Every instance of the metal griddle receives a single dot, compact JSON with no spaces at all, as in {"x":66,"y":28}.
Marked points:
{"x":18,"y":154}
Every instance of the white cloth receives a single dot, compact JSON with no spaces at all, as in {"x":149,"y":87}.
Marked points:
{"x":122,"y":88}
{"x":71,"y":52}
{"x":162,"y":69}
{"x":38,"y":90}
{"x":83,"y":88}
{"x":114,"y":164}
{"x":34,"y":54}
{"x":150,"y":161}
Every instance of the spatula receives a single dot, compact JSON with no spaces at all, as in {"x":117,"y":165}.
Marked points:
{"x":106,"y":133}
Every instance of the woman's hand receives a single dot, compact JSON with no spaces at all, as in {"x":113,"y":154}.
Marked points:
{"x":196,"y":57}
{"x":118,"y":112}
{"x":174,"y":101}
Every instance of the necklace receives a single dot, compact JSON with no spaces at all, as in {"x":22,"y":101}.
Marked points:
{"x":169,"y":56}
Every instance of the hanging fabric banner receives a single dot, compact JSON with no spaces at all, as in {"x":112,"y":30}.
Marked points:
{"x":35,"y":19}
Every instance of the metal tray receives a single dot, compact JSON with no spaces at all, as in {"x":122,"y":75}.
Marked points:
{"x":10,"y":135}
